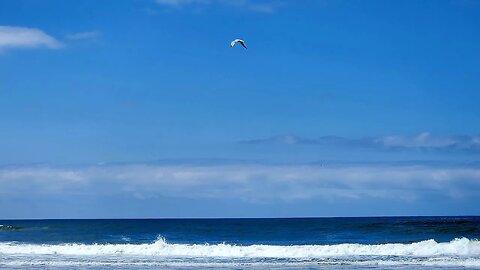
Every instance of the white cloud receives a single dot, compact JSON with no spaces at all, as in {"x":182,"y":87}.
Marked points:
{"x":181,"y":2}
{"x":22,"y":37}
{"x":255,"y":6}
{"x":253,"y":183}
{"x":266,"y":6}
{"x":425,"y":140}
{"x":83,"y":35}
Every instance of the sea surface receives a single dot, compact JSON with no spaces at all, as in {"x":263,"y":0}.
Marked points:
{"x":297,"y":243}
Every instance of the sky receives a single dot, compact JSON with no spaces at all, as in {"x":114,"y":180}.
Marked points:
{"x":141,"y":109}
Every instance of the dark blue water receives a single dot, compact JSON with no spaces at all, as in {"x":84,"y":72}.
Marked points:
{"x":233,"y":243}
{"x":298,"y":231}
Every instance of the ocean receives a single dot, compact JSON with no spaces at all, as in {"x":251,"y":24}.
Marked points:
{"x":296,"y":243}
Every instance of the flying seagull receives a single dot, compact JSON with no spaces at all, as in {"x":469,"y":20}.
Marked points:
{"x":239,"y":41}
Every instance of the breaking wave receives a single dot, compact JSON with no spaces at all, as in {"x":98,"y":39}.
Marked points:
{"x":9,"y":228}
{"x":461,"y":247}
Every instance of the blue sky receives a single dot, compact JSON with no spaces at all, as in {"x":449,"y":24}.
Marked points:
{"x":141,"y":108}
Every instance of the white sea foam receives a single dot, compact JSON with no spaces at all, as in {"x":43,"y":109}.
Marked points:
{"x":444,"y":262}
{"x":462,"y":247}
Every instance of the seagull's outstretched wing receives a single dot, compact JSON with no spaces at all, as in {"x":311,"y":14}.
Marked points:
{"x":243,"y":43}
{"x":239,"y":41}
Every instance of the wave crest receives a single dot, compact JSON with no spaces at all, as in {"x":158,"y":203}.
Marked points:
{"x":9,"y":228}
{"x":160,"y":248}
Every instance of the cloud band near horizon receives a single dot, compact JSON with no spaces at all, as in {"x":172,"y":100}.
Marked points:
{"x":250,"y":183}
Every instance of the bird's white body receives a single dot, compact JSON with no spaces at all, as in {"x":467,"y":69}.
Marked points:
{"x":238,"y":41}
